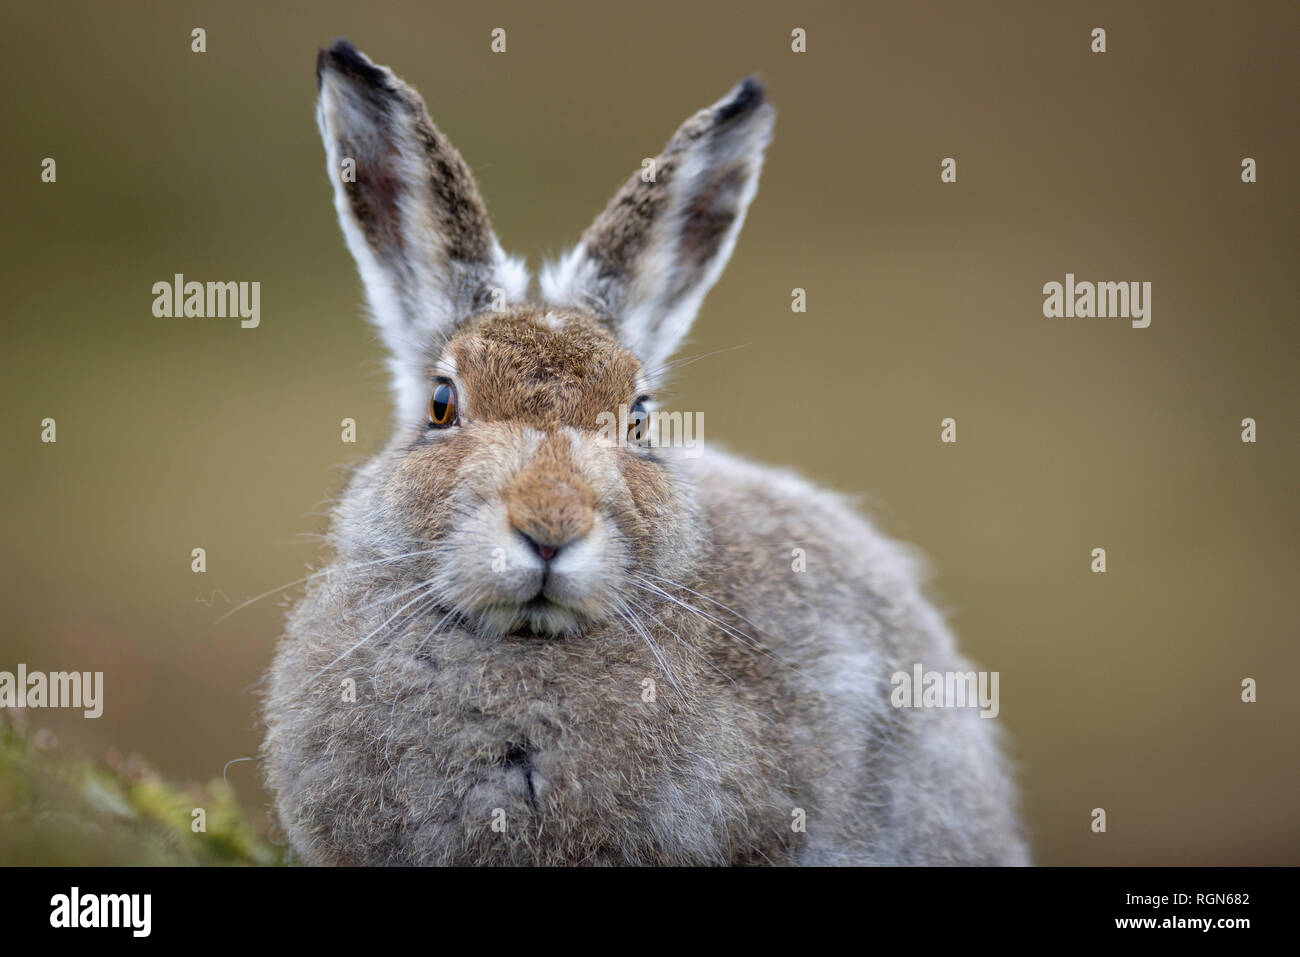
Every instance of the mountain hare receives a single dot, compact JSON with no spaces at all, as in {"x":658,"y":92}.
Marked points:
{"x":545,"y":642}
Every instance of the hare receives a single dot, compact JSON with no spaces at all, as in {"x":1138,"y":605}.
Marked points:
{"x":538,"y":645}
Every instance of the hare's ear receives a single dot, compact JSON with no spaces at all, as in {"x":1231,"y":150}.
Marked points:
{"x":648,"y":260}
{"x":410,"y":212}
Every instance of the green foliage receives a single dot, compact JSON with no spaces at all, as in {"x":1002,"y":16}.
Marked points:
{"x":62,"y":809}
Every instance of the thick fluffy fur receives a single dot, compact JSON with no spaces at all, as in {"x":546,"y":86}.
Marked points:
{"x":534,"y":648}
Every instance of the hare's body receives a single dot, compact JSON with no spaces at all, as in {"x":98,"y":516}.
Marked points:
{"x":557,"y":735}
{"x":537,"y":647}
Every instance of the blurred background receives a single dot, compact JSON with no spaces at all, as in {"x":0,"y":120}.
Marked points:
{"x":1119,"y":691}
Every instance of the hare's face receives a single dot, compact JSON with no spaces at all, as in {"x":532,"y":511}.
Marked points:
{"x":536,"y":522}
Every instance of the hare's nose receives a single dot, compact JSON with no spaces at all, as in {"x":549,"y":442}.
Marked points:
{"x":546,"y":552}
{"x":550,"y":514}
{"x":548,"y":530}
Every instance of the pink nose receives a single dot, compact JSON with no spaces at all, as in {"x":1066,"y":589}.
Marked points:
{"x":546,"y":552}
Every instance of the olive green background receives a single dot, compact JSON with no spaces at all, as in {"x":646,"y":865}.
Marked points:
{"x":1120,"y":690}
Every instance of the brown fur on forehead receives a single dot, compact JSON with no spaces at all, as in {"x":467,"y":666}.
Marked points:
{"x":544,"y":368}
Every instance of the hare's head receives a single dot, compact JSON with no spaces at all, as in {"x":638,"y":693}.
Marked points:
{"x":501,"y":471}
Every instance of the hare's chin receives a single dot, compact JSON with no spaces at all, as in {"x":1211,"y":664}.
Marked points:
{"x":539,"y":617}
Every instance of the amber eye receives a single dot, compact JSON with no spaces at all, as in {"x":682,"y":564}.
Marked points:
{"x":442,"y":407}
{"x":638,"y":421}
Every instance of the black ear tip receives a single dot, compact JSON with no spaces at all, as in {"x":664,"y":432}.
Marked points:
{"x":342,"y":57}
{"x":748,"y":95}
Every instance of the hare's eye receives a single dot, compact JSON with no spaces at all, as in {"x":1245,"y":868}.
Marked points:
{"x":442,"y":407}
{"x":638,"y":421}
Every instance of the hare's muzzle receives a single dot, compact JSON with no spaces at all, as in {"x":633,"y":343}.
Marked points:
{"x":550,"y":512}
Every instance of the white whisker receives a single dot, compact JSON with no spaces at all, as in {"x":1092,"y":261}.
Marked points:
{"x":318,"y":574}
{"x":622,"y":610}
{"x":363,"y":640}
